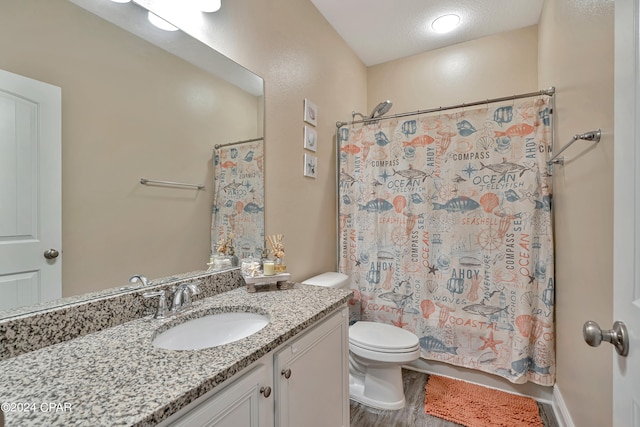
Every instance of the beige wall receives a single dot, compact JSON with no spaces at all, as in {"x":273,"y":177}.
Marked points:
{"x":576,"y":56}
{"x":113,"y":227}
{"x":494,"y":66}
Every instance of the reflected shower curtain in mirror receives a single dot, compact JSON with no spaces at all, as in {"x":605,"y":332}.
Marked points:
{"x":446,"y":230}
{"x":238,"y":201}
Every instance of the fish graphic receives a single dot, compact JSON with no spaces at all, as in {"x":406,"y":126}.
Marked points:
{"x":252,"y":208}
{"x":350,"y":149}
{"x":520,"y":129}
{"x":528,"y":364}
{"x":346,"y":178}
{"x":482,"y":309}
{"x":385,"y":255}
{"x":504,"y":167}
{"x":421,"y":141}
{"x":395,"y":297}
{"x":487,"y":358}
{"x":416,"y":198}
{"x":469,"y":261}
{"x":503,"y":115}
{"x":376,"y":205}
{"x":232,"y":186}
{"x":458,"y":204}
{"x":458,"y":179}
{"x":433,"y":344}
{"x":249,"y":156}
{"x":381,"y":139}
{"x":229,"y":164}
{"x":511,"y":196}
{"x":346,"y":199}
{"x":465,"y":128}
{"x":412,"y":173}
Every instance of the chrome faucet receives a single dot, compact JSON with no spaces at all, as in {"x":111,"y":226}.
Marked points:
{"x":162,"y":303}
{"x":182,"y":296}
{"x":139,"y":278}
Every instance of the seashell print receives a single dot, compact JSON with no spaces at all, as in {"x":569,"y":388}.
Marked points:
{"x":416,"y":198}
{"x":511,"y":196}
{"x":381,"y":139}
{"x":489,"y":201}
{"x":465,"y":128}
{"x":523,"y":322}
{"x":427,"y":307}
{"x":399,"y":203}
{"x":432,"y":285}
{"x":528,"y":298}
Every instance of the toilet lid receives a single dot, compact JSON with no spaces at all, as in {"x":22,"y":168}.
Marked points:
{"x":379,"y":336}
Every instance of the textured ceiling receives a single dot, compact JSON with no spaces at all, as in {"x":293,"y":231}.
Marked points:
{"x":383,"y":30}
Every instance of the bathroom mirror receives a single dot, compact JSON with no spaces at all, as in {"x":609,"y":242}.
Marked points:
{"x":137,"y":102}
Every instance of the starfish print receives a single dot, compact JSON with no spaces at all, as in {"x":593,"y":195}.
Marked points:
{"x":358,"y":263}
{"x":489,"y":342}
{"x":531,"y":279}
{"x":432,"y":270}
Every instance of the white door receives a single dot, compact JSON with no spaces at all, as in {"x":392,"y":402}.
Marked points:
{"x":626,"y":252}
{"x":30,"y":196}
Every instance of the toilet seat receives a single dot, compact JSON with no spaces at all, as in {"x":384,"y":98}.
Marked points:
{"x":382,"y":338}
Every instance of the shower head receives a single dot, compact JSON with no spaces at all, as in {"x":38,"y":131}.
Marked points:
{"x":381,"y":109}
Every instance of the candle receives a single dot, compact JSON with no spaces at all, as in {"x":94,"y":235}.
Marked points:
{"x":269,"y":267}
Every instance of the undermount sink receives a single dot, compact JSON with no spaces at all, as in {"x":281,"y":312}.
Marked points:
{"x":211,"y":331}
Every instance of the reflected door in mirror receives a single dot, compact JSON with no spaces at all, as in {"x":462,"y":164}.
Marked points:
{"x":30,"y":208}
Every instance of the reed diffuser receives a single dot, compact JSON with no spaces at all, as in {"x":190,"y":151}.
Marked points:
{"x":277,"y":248}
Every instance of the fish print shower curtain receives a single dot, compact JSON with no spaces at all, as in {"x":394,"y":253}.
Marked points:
{"x":238,"y":205}
{"x":445,"y":230}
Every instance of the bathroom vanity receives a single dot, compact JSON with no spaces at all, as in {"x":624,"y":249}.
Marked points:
{"x":292,"y":372}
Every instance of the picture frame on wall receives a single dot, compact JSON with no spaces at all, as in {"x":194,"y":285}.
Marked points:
{"x":310,"y":165}
{"x":310,"y":138}
{"x":310,"y":112}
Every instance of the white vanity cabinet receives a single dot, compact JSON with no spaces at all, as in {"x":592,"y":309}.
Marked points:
{"x":304,"y":382}
{"x":313,"y":385}
{"x":247,"y":402}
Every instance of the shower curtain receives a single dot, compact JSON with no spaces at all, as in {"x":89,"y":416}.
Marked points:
{"x":445,"y":229}
{"x":238,"y":201}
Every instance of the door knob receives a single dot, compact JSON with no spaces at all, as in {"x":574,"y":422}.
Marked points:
{"x":618,"y":336}
{"x":51,"y":254}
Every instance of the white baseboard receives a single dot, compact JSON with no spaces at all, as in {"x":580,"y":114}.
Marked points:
{"x":560,"y":409}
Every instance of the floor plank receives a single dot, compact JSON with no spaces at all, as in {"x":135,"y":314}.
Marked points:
{"x":413,"y":415}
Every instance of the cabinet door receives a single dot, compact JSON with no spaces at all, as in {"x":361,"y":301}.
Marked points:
{"x":242,"y":404}
{"x":316,"y":392}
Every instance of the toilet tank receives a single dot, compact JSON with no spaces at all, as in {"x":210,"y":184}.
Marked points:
{"x":329,"y":280}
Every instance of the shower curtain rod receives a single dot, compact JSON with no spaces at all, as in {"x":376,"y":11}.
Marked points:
{"x":237,"y":142}
{"x":549,"y":92}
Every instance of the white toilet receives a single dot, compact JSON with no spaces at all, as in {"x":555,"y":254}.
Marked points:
{"x":376,"y":353}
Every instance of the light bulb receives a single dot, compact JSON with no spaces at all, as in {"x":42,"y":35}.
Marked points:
{"x":445,"y":23}
{"x":209,"y":6}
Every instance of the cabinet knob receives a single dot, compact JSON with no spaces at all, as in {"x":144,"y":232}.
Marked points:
{"x":266,"y":391}
{"x":286,"y":373}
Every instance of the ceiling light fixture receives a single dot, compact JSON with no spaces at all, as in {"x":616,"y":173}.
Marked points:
{"x":445,"y":23}
{"x":160,"y":23}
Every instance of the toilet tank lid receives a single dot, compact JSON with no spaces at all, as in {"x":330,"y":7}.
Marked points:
{"x":330,"y":279}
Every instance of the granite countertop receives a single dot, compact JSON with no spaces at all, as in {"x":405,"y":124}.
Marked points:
{"x":116,"y":376}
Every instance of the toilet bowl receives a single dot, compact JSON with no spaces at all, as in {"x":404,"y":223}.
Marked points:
{"x":377,"y":352}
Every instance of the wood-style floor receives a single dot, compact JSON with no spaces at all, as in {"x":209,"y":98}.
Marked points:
{"x":413,"y":415}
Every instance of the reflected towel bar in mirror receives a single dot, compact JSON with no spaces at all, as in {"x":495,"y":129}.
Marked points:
{"x":170,"y":183}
